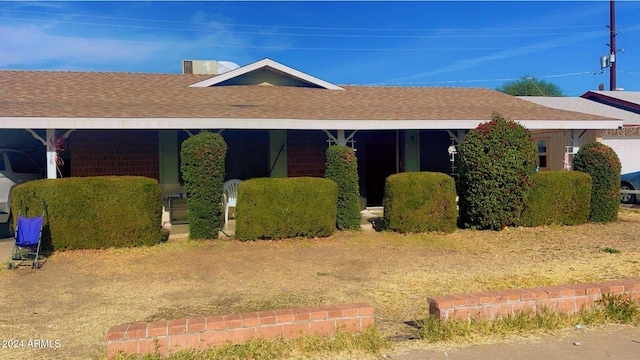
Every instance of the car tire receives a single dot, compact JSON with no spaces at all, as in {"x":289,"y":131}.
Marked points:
{"x":6,"y":229}
{"x":627,"y":198}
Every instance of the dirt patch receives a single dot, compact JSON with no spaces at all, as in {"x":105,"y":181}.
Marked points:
{"x":78,"y":295}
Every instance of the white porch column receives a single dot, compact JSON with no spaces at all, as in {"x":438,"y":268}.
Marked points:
{"x":51,"y":155}
{"x":341,"y":140}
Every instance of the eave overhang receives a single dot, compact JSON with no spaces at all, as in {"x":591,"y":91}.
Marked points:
{"x":285,"y":124}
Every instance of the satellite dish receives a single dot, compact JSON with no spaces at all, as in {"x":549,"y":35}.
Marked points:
{"x":226,"y":66}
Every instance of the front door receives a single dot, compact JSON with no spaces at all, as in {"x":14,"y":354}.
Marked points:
{"x":380,"y":162}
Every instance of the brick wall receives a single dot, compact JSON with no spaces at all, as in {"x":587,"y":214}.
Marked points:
{"x":114,"y":152}
{"x":201,"y":333}
{"x":306,"y":153}
{"x":494,"y":304}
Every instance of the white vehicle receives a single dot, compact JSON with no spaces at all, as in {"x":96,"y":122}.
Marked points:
{"x":15,"y":168}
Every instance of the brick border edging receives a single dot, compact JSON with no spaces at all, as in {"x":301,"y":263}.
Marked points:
{"x":200,"y":333}
{"x":495,"y":304}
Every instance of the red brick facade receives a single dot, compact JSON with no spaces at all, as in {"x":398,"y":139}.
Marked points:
{"x":114,"y":152}
{"x":135,"y":152}
{"x":306,"y":153}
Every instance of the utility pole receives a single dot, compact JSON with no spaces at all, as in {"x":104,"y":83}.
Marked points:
{"x":612,"y":46}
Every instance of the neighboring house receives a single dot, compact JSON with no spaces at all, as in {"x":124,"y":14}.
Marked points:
{"x":625,"y":140}
{"x":277,"y":121}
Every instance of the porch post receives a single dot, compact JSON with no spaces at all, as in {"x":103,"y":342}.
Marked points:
{"x":456,"y":140}
{"x":51,"y":154}
{"x":411,"y":150}
{"x":575,"y":141}
{"x":169,"y":154}
{"x":397,"y":151}
{"x":340,"y":138}
{"x":52,"y":151}
{"x":278,"y":153}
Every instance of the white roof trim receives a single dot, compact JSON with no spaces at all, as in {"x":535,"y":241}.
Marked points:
{"x":284,"y":124}
{"x":263,"y":64}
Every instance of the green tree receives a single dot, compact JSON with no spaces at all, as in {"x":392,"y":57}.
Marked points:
{"x":530,"y":86}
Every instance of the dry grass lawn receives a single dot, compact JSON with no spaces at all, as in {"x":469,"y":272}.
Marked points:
{"x":78,"y":295}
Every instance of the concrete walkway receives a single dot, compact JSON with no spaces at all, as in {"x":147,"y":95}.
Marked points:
{"x":610,"y":342}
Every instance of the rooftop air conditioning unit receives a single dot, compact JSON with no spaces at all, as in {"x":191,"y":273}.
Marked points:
{"x":199,"y":67}
{"x":207,"y":67}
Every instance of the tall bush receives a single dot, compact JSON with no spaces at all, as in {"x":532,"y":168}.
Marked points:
{"x":497,"y":161}
{"x":601,"y":162}
{"x":203,"y":160}
{"x":342,"y":167}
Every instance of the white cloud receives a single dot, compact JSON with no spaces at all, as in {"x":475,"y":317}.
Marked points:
{"x":30,"y":45}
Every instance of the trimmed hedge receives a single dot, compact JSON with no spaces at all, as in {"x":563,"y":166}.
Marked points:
{"x":342,"y":167}
{"x":94,"y":212}
{"x":278,"y":208}
{"x":202,"y":163}
{"x":558,"y":198}
{"x":497,"y":161}
{"x":601,"y":162}
{"x":420,"y":202}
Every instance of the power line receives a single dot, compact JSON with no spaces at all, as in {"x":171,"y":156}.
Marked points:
{"x":305,"y":27}
{"x":485,"y":80}
{"x":281,"y":47}
{"x":629,"y":72}
{"x":295,"y":34}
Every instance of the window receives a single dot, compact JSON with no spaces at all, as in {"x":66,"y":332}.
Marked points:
{"x":22,"y":164}
{"x":542,"y":153}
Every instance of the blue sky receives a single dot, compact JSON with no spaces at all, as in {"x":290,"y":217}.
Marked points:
{"x":417,"y":43}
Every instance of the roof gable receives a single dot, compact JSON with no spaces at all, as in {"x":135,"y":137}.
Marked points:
{"x":587,"y":106}
{"x":267,"y":72}
{"x":625,"y":100}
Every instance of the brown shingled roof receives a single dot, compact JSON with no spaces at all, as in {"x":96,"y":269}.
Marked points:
{"x":135,"y":95}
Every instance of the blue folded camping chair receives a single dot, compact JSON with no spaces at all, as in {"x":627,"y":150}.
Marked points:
{"x":28,"y":240}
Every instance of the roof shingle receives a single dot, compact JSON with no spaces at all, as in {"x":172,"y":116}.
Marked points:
{"x":116,"y":95}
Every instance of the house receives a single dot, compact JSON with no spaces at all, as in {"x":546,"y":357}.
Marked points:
{"x":624,"y":105}
{"x":276,"y":120}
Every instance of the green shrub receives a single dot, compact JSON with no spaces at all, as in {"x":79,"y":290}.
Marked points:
{"x":602,"y":163}
{"x":497,"y":161}
{"x":342,"y":167}
{"x":277,"y":208}
{"x":94,"y":212}
{"x":420,"y":202}
{"x":202,"y":163}
{"x":558,"y":197}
